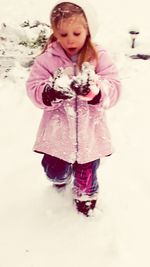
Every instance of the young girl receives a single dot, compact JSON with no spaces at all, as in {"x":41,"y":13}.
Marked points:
{"x":74,"y":82}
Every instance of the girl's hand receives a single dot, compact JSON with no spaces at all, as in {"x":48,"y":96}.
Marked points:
{"x":58,"y":87}
{"x":49,"y":95}
{"x":60,"y":82}
{"x":93,"y":91}
{"x":86,"y":84}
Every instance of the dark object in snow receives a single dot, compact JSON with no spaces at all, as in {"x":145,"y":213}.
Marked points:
{"x":4,"y":25}
{"x":134,"y":34}
{"x":85,"y":206}
{"x":25,"y":24}
{"x":24,"y":43}
{"x":140,"y":56}
{"x":6,"y":64}
{"x":39,"y":42}
{"x":50,"y":94}
{"x":3,"y":38}
{"x":27,"y":63}
{"x":35,"y":23}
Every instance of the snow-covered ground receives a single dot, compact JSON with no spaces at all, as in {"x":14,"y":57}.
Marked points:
{"x":38,"y":226}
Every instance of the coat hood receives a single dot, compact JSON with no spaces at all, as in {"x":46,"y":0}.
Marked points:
{"x":90,"y":13}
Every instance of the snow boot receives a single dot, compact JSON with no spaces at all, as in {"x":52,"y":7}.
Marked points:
{"x":85,"y":207}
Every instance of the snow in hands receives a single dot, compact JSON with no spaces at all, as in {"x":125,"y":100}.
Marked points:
{"x":63,"y":81}
{"x":85,"y":81}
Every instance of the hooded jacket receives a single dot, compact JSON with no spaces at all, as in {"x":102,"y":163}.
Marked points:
{"x":73,"y":129}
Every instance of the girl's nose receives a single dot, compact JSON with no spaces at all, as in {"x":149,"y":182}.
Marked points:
{"x":70,"y":40}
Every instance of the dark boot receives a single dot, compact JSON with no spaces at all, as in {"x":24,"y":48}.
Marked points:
{"x":85,"y":206}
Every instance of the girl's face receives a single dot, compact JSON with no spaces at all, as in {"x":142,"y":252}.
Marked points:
{"x":71,"y":34}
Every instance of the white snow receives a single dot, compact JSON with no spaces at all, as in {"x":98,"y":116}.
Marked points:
{"x":38,"y":226}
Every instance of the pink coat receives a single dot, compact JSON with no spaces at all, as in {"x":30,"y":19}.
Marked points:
{"x":73,"y":130}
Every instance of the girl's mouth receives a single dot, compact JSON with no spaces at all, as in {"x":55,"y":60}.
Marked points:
{"x":72,"y":50}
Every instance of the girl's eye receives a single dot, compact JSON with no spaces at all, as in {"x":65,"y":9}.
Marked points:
{"x":63,"y":34}
{"x":76,"y":33}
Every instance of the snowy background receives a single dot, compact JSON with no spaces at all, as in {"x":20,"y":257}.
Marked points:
{"x":38,"y":226}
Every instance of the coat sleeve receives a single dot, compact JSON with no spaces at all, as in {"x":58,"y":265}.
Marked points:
{"x":38,"y":78}
{"x":109,"y":81}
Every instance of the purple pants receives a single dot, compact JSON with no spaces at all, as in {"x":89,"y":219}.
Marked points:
{"x":85,"y":178}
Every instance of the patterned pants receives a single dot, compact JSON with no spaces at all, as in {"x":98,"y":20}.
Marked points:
{"x":85,"y":179}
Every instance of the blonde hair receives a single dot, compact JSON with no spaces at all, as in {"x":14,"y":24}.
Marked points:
{"x":66,"y":10}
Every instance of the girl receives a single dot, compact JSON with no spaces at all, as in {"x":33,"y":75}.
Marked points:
{"x":74,"y":82}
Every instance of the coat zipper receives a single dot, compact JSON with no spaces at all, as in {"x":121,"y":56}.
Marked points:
{"x":76,"y":111}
